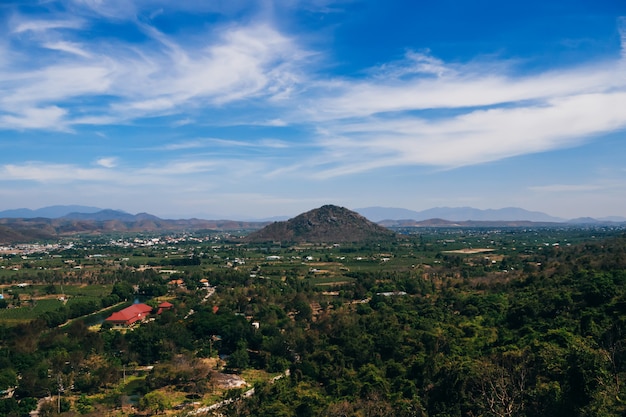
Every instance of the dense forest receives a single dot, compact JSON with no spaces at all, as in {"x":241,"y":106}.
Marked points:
{"x":536,"y":333}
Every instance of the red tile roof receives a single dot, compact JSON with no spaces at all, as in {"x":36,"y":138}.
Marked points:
{"x":164,"y":306}
{"x":131,"y":314}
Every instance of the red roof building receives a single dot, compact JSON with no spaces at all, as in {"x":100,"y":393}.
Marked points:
{"x":164,"y":306}
{"x":130,"y":315}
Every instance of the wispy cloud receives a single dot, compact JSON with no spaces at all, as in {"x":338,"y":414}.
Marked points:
{"x":621,"y":25}
{"x":491,"y":113}
{"x":21,"y":25}
{"x":481,"y":135}
{"x":69,"y":47}
{"x":48,"y":173}
{"x":109,"y":162}
{"x":575,"y":188}
{"x":123,"y":81}
{"x":51,"y":117}
{"x":106,"y":170}
{"x":459,"y":87}
{"x":211,"y":143}
{"x":414,"y":63}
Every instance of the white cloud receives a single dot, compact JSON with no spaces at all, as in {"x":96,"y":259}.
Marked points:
{"x":22,"y":25}
{"x":109,"y":162}
{"x":183,"y":122}
{"x":52,"y":118}
{"x":69,"y":47}
{"x":181,"y":167}
{"x":223,"y":143}
{"x":474,"y":137}
{"x":190,"y":144}
{"x":46,"y":173}
{"x":575,"y":188}
{"x":150,"y":175}
{"x":244,"y":62}
{"x":274,"y":122}
{"x":414,"y":63}
{"x":461,"y":88}
{"x":122,"y":81}
{"x":55,"y":84}
{"x":274,"y":144}
{"x":116,"y":9}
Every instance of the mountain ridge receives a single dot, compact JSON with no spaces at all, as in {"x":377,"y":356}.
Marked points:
{"x":50,"y":212}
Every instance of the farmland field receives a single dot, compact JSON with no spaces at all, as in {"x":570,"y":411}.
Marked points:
{"x":34,"y":301}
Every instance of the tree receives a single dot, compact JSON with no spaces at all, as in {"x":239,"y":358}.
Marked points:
{"x":83,"y":404}
{"x":8,"y":379}
{"x":239,"y":359}
{"x":503,"y":382}
{"x":155,"y":402}
{"x":123,"y":290}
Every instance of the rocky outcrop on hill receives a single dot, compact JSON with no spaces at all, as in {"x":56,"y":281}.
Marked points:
{"x":327,"y":224}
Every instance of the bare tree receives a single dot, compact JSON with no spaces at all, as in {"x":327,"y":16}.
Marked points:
{"x":502,"y":384}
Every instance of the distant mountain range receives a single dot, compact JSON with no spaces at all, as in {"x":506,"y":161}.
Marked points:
{"x":462,"y":214}
{"x":29,"y":229}
{"x":378,"y":214}
{"x":375,"y":214}
{"x":22,"y":225}
{"x":51,"y":212}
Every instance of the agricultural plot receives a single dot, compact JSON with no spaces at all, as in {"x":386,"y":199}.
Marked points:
{"x":34,"y":301}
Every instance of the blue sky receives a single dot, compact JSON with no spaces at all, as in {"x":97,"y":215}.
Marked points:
{"x":239,"y":109}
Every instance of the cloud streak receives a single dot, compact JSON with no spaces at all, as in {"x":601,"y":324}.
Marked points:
{"x":490,"y":115}
{"x":122,"y":81}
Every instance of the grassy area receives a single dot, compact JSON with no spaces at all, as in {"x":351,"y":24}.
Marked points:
{"x":330,"y":280}
{"x":254,"y":376}
{"x":87,"y":290}
{"x":28,"y":311}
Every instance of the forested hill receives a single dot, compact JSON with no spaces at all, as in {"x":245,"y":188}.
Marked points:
{"x":328,"y":224}
{"x":551,"y":342}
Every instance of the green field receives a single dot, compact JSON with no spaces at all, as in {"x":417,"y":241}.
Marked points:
{"x":32,"y":303}
{"x":28,"y":311}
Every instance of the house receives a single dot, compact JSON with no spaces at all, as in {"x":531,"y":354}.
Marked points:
{"x":130,"y":315}
{"x":164,"y":306}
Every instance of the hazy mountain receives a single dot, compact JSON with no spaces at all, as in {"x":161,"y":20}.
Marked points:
{"x":326,"y":224}
{"x":51,"y":212}
{"x":14,"y":230}
{"x":103,"y":215}
{"x":456,"y":214}
{"x":585,"y":220}
{"x":467,"y":223}
{"x":616,"y":219}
